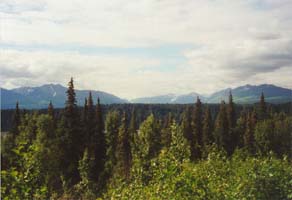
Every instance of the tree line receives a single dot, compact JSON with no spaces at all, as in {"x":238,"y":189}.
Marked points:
{"x":85,"y":151}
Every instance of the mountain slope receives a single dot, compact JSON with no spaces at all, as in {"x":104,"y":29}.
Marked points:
{"x":169,"y":98}
{"x":251,"y":94}
{"x":39,"y":97}
{"x":242,"y":95}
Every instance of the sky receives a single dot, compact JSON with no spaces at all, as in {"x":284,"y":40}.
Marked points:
{"x":139,"y":48}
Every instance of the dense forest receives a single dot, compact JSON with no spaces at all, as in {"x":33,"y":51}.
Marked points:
{"x":130,"y":151}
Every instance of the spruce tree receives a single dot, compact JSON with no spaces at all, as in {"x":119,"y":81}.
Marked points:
{"x":187,"y":127}
{"x":262,"y":108}
{"x":99,"y":145}
{"x":241,"y":127}
{"x":166,"y":131}
{"x":232,"y":135}
{"x":221,"y":128}
{"x":91,"y":123}
{"x":231,"y":112}
{"x":248,"y":137}
{"x":148,"y":146}
{"x":51,"y":111}
{"x":16,"y":121}
{"x":112,"y":124}
{"x":133,"y":130}
{"x":197,"y":129}
{"x":85,"y":112}
{"x":70,"y":137}
{"x":207,"y":129}
{"x":124,"y":155}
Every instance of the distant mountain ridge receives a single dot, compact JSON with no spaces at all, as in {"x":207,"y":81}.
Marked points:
{"x":169,"y":98}
{"x":39,"y":97}
{"x":251,"y":94}
{"x":243,"y":95}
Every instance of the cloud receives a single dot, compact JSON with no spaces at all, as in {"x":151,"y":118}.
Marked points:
{"x":195,"y":46}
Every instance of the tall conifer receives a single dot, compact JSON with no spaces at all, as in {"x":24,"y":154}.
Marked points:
{"x":166,"y":131}
{"x":99,"y":144}
{"x":124,"y":155}
{"x":133,"y":130}
{"x":262,"y":108}
{"x":207,"y":128}
{"x":70,"y":132}
{"x":187,"y":127}
{"x":197,"y":129}
{"x":248,"y":137}
{"x":16,"y":121}
{"x":221,"y":127}
{"x":233,"y":141}
{"x":51,"y":110}
{"x":91,"y":122}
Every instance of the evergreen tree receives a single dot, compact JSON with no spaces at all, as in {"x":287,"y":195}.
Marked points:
{"x":166,"y":132}
{"x":233,"y":137}
{"x":16,"y":121}
{"x":221,"y":128}
{"x":133,"y":130}
{"x":207,"y":129}
{"x":187,"y":128}
{"x":148,"y":146}
{"x":262,"y":108}
{"x":70,"y":138}
{"x":197,"y":130}
{"x":99,"y":145}
{"x":124,"y":155}
{"x":85,"y":114}
{"x":86,"y":187}
{"x":112,"y":124}
{"x":8,"y":143}
{"x":248,"y":137}
{"x":91,"y":122}
{"x":241,"y":127}
{"x":51,"y":111}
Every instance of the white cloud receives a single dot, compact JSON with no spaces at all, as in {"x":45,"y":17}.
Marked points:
{"x":236,"y":42}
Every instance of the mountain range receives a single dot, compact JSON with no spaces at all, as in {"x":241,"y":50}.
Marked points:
{"x":242,"y":95}
{"x":39,"y":97}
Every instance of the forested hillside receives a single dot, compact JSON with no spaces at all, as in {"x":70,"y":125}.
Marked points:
{"x":195,"y":151}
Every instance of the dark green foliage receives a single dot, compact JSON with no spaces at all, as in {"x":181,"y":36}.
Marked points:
{"x":197,"y":127}
{"x":207,"y":137}
{"x":70,"y":137}
{"x":16,"y":121}
{"x":241,"y":128}
{"x":274,"y":135}
{"x":248,"y":137}
{"x":187,"y":128}
{"x":233,"y":136}
{"x":166,"y":132}
{"x":51,"y":110}
{"x":123,"y":153}
{"x":99,"y":145}
{"x":90,"y":125}
{"x":148,"y":146}
{"x":221,"y":132}
{"x":112,"y":124}
{"x":133,"y":128}
{"x":262,"y":109}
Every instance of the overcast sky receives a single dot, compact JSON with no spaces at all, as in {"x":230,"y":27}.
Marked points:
{"x":135,"y":48}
